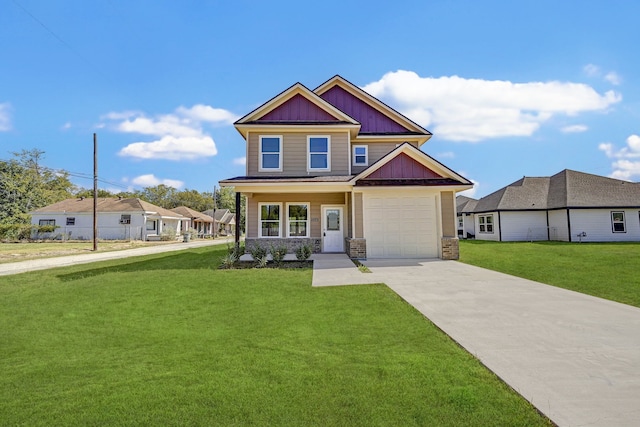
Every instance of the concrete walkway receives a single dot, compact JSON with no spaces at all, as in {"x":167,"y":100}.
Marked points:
{"x":575,"y":357}
{"x":63,"y":261}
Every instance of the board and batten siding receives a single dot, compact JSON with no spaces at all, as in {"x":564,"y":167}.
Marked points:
{"x":316,"y":200}
{"x":596,"y":223}
{"x":294,"y":154}
{"x":523,"y":226}
{"x":558,"y":226}
{"x":375,"y":151}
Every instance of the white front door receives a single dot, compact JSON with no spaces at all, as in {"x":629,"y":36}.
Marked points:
{"x":332,"y":229}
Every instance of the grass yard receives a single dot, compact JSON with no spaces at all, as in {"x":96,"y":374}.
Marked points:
{"x":606,"y":270}
{"x":170,"y":340}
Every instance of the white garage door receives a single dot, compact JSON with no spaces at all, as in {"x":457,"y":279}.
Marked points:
{"x":400,"y":225}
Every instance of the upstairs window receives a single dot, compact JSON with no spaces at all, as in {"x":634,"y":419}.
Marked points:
{"x":319,"y":153}
{"x":269,"y":219}
{"x":270,"y":153}
{"x":485,"y":223}
{"x":618,"y":223}
{"x":360,"y":155}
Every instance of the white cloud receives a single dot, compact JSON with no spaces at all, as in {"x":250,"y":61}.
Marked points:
{"x":5,"y":117}
{"x":591,"y":70}
{"x":574,"y":129}
{"x":206,"y":113}
{"x":179,"y":135}
{"x":473,"y":110}
{"x":472,"y":191}
{"x":627,"y":160}
{"x":150,"y":180}
{"x":66,"y":126}
{"x":172,"y":148}
{"x":240,"y":161}
{"x":446,"y":155}
{"x":613,"y":78}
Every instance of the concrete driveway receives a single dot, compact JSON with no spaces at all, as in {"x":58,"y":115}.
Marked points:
{"x":573,"y":356}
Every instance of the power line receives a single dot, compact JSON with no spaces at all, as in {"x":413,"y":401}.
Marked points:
{"x":57,"y":37}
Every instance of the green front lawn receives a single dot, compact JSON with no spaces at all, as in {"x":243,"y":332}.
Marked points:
{"x":170,"y":340}
{"x":606,"y":270}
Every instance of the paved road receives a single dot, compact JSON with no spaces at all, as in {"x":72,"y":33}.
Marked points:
{"x":62,"y":261}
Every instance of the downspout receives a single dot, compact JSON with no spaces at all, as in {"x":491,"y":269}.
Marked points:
{"x":548,"y":234}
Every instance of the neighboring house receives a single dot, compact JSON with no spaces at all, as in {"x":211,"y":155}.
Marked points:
{"x":466,"y":219}
{"x":568,"y":206}
{"x":118,"y":219}
{"x":225,"y":221}
{"x":337,"y":169}
{"x":203,"y":224}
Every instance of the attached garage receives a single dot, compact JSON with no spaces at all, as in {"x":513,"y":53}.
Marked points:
{"x":400,"y":224}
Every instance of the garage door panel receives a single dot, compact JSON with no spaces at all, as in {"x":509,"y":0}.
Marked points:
{"x":400,"y":225}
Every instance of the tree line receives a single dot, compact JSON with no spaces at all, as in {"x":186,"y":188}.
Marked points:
{"x":26,"y":185}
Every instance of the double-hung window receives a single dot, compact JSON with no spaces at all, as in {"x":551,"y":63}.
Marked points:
{"x":270,"y":219}
{"x":617,"y":222}
{"x":298,"y":215}
{"x":360,"y":155}
{"x":71,"y":220}
{"x":270,"y":153}
{"x":485,"y":223}
{"x":318,"y":153}
{"x":47,"y":222}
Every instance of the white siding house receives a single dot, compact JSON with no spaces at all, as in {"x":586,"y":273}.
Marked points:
{"x":569,"y":206}
{"x":117,"y":219}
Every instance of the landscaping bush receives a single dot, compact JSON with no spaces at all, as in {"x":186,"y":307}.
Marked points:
{"x":168,"y":235}
{"x":303,"y":252}
{"x":278,"y":253}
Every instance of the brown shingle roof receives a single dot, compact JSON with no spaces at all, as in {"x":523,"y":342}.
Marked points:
{"x":107,"y":204}
{"x":190,"y":213}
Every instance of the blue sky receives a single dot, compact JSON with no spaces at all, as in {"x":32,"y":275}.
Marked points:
{"x":509,"y":89}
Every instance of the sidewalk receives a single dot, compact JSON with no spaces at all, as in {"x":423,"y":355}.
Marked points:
{"x":63,"y":261}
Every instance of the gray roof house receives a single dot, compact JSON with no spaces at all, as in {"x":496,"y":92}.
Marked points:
{"x":568,"y":206}
{"x":464,"y":212}
{"x":225,"y":221}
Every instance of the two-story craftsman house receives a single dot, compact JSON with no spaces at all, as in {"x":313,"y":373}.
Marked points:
{"x":338,"y":169}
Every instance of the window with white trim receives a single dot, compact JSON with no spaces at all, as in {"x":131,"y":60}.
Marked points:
{"x":298,"y":215}
{"x":47,"y":222}
{"x":151,"y":225}
{"x":618,"y":223}
{"x":269,"y":218}
{"x":360,"y":155}
{"x":318,"y":153}
{"x":125,"y":219}
{"x":270,"y":153}
{"x":485,"y":223}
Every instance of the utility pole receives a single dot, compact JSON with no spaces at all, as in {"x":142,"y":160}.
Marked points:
{"x":215,"y":229}
{"x":95,"y":192}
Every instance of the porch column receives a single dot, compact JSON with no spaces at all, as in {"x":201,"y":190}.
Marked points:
{"x":238,"y":195}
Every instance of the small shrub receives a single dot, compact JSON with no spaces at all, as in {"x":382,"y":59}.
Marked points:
{"x":278,"y":253}
{"x":229,"y":261}
{"x":193,"y":233}
{"x":258,"y":251}
{"x":168,"y":234}
{"x":303,"y":252}
{"x":261,"y":262}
